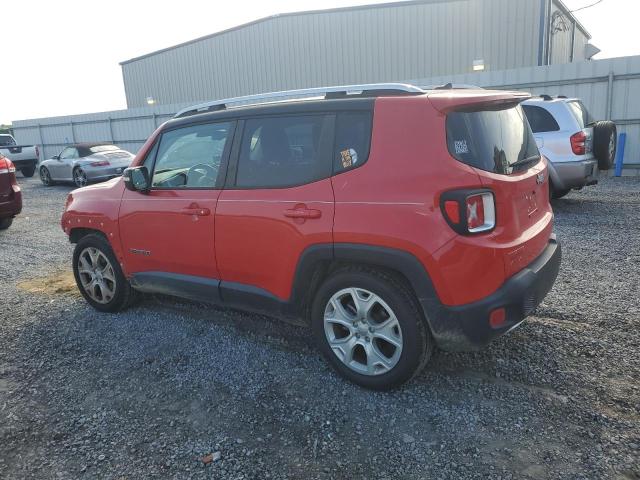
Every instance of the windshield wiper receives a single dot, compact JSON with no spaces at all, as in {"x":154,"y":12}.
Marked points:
{"x":525,"y":161}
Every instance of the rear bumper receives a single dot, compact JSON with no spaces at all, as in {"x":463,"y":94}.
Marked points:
{"x":24,"y":163}
{"x":13,"y":205}
{"x":99,"y":174}
{"x":567,"y":175}
{"x":466,"y":327}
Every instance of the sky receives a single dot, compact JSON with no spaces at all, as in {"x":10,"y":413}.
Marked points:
{"x":61,"y":57}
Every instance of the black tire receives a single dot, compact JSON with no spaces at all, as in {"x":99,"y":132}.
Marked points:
{"x":124,"y":294}
{"x":45,"y":177}
{"x":5,"y":223}
{"x":605,"y":144}
{"x":28,"y":171}
{"x":79,"y":177}
{"x":561,"y":193}
{"x":554,"y":193}
{"x":417,"y":342}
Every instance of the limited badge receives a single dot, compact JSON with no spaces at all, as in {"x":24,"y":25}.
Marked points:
{"x":349,"y":157}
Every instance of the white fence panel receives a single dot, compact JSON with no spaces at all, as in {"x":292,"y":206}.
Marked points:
{"x":610,"y":88}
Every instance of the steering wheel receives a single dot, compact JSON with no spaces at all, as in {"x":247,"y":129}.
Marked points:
{"x":199,"y":173}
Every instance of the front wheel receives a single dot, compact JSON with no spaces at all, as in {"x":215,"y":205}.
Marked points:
{"x":79,"y":177}
{"x":368,"y":326}
{"x":45,"y":177}
{"x":99,"y":276}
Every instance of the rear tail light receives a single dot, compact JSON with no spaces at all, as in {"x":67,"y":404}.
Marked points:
{"x":100,"y":163}
{"x":6,"y":165}
{"x":579,"y":143}
{"x":469,"y":211}
{"x":37,"y":152}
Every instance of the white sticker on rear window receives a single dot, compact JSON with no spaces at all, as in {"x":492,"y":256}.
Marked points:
{"x":461,"y":146}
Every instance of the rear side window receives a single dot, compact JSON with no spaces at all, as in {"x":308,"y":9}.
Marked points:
{"x":285,"y":151}
{"x":581,"y":113}
{"x":540,"y":119}
{"x":498,"y":140}
{"x":353,"y":139}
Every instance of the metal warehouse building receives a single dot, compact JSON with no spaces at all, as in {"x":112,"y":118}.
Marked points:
{"x":373,"y":43}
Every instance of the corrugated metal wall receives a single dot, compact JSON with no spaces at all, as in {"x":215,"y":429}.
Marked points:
{"x":127,"y":128}
{"x":374,"y":44}
{"x":590,"y":81}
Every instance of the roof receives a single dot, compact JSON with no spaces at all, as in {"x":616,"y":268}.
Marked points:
{"x":88,"y":144}
{"x":397,"y":4}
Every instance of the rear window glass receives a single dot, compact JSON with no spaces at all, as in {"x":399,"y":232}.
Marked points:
{"x":498,"y":140}
{"x":6,"y":140}
{"x":581,"y":113}
{"x":540,"y":119}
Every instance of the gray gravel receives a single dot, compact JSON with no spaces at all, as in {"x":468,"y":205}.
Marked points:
{"x":173,"y":389}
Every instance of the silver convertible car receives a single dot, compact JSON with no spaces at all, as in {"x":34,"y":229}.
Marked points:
{"x":85,"y":162}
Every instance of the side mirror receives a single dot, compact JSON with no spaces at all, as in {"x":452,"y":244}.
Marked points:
{"x":56,"y":157}
{"x":136,"y":179}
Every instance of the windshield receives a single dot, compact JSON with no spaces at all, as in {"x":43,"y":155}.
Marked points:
{"x":103,"y":148}
{"x":495,"y":140}
{"x":6,"y":140}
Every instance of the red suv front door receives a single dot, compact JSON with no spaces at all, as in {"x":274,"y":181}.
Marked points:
{"x":171,"y":228}
{"x":278,"y":201}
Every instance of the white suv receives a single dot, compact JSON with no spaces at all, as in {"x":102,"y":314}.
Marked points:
{"x":576,"y":146}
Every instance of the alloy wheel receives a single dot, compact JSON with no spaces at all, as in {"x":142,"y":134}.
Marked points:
{"x":79,"y":177}
{"x":96,"y":275}
{"x":44,"y":176}
{"x":363,"y":331}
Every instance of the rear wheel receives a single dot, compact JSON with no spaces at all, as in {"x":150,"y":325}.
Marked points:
{"x":369,"y":327}
{"x":605,"y":138}
{"x":28,"y":171}
{"x":45,"y":177}
{"x":555,"y":193}
{"x":79,"y":177}
{"x":5,"y":223}
{"x":99,"y":276}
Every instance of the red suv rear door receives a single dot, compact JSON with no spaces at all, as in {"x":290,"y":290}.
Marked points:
{"x":277,"y":201}
{"x":171,"y":229}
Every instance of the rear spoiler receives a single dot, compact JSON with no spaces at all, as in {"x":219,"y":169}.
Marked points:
{"x":450,"y":100}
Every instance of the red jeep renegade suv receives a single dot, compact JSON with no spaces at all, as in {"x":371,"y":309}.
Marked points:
{"x":387,"y":218}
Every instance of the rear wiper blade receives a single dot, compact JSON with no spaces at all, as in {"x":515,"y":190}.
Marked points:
{"x":525,"y":161}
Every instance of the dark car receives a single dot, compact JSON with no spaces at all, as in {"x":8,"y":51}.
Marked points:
{"x":10,"y":194}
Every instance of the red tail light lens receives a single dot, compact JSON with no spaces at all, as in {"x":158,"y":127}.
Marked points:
{"x":579,"y":143}
{"x":469,"y":211}
{"x":452,"y":210}
{"x":6,"y":165}
{"x":101,"y":163}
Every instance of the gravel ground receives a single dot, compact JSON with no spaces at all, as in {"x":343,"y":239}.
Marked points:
{"x":172,"y":389}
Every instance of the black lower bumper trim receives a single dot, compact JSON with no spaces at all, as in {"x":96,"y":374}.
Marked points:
{"x":466,"y":327}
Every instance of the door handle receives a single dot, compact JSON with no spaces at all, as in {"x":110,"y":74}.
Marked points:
{"x":303,"y":213}
{"x":201,"y":212}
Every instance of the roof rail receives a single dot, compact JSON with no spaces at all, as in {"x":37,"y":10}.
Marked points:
{"x":546,"y":98}
{"x":369,"y":89}
{"x":452,"y":86}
